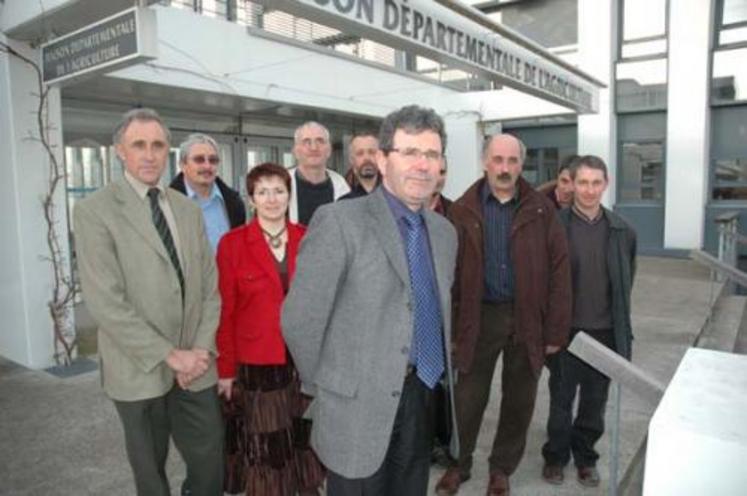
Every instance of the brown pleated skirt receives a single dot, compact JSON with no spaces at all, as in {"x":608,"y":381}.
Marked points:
{"x":267,"y":441}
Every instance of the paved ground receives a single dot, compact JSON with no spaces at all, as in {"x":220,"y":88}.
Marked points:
{"x":62,"y":437}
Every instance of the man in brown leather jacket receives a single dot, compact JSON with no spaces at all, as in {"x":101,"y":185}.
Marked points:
{"x":511,"y":295}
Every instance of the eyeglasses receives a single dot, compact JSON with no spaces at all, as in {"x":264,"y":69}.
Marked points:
{"x":415,"y":154}
{"x":200,"y":159}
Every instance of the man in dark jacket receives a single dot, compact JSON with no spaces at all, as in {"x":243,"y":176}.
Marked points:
{"x":439,"y":203}
{"x":560,"y":189}
{"x":512,"y":296}
{"x":362,"y":158}
{"x":602,"y":250}
{"x":222,"y":207}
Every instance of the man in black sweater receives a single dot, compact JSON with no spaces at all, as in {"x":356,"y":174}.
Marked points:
{"x":602,"y":248}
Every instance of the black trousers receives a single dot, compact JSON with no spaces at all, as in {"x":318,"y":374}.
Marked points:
{"x":407,"y":461}
{"x":194,"y":421}
{"x":567,"y":436}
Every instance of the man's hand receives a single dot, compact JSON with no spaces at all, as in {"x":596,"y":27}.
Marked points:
{"x":225,"y":387}
{"x":551,"y":349}
{"x":188,"y":364}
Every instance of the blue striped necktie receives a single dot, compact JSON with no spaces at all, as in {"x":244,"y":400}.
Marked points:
{"x":429,"y":351}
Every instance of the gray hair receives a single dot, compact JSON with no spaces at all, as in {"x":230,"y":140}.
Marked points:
{"x":411,"y":119}
{"x":192,"y":140}
{"x":297,"y":132}
{"x":522,"y":147}
{"x":141,"y":115}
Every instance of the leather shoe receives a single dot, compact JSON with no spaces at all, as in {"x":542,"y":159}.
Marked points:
{"x":498,"y":485}
{"x":553,"y":474}
{"x":588,"y":476}
{"x":449,"y":483}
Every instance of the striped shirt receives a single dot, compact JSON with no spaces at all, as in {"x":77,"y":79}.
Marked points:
{"x":499,"y":269}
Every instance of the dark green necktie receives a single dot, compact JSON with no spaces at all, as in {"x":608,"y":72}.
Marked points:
{"x":159,"y":220}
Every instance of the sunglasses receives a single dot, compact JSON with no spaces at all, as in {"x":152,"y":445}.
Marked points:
{"x":200,"y":159}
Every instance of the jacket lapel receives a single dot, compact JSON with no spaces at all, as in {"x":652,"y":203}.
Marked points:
{"x":294,"y":240}
{"x":387,"y":233}
{"x":137,"y":213}
{"x":183,"y":228}
{"x":440,"y":258}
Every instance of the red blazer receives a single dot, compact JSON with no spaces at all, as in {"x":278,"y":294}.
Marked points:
{"x":251,"y":294}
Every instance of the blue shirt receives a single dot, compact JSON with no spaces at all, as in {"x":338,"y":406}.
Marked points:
{"x":499,"y":269}
{"x":400,"y":210}
{"x":214,"y":213}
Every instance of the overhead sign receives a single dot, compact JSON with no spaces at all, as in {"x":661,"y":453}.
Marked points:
{"x":123,"y":39}
{"x":472,"y":43}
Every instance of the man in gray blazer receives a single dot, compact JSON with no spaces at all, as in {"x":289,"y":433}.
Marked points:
{"x":367,"y":318}
{"x":149,"y":280}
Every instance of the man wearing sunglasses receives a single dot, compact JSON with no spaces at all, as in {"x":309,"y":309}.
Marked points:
{"x":222,"y":207}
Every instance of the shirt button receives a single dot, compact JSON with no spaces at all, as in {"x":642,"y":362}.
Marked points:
{"x":405,"y":350}
{"x":409,"y":305}
{"x":395,"y":394}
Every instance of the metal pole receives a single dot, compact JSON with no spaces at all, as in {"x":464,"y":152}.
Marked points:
{"x":614,"y":438}
{"x":721,"y":249}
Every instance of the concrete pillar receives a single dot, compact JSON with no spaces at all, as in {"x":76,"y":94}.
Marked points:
{"x":25,"y":275}
{"x":597,"y":42}
{"x":688,"y":123}
{"x":463,"y":152}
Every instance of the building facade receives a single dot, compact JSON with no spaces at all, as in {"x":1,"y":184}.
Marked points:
{"x":671,"y":118}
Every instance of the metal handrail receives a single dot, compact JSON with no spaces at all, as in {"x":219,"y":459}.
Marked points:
{"x":729,"y":238}
{"x":720,"y":266}
{"x":621,"y":373}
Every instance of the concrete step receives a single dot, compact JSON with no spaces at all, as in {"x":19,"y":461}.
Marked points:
{"x":721,"y":332}
{"x":741,"y":344}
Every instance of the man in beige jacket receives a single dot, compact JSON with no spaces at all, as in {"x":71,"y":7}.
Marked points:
{"x":149,"y":280}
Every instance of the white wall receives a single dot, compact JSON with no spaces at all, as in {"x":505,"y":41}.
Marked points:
{"x":502,"y":104}
{"x":25,"y":278}
{"x":207,"y":54}
{"x":688,"y":119}
{"x":597,"y":133}
{"x":463,"y":151}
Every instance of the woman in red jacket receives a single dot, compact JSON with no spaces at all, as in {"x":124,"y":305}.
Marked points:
{"x":267,"y":445}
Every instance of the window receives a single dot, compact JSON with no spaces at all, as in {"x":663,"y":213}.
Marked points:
{"x":642,"y":67}
{"x":731,"y":22}
{"x":730,"y":179}
{"x":729,"y":153}
{"x":729,"y":78}
{"x":641,"y":85}
{"x":86,"y":170}
{"x":733,"y":11}
{"x":541,"y":164}
{"x":530,"y":171}
{"x":642,"y":172}
{"x":644,"y":29}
